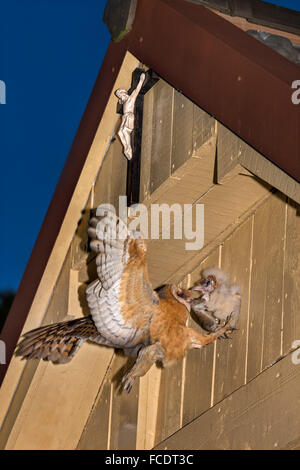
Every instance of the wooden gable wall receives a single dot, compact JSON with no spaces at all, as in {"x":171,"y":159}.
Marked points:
{"x":251,"y":231}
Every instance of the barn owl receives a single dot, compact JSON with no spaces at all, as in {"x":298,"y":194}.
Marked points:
{"x":219,"y":299}
{"x":125,"y":312}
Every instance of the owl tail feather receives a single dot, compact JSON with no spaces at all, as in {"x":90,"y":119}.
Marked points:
{"x":58,"y":342}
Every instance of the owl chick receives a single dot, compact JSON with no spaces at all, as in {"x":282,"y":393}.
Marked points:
{"x":219,"y":300}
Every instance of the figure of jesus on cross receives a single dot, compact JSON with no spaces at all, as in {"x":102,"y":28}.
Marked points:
{"x":127,"y":124}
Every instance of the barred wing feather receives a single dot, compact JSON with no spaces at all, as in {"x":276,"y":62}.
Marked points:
{"x":121,"y":300}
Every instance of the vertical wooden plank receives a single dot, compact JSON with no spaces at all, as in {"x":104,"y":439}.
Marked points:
{"x":228,"y":145}
{"x":265,"y":310}
{"x":203,"y":127}
{"x":161,"y":133}
{"x":59,"y":401}
{"x":273,"y":313}
{"x":103,"y":179}
{"x":146,"y":150}
{"x":199,"y":362}
{"x":291,"y":311}
{"x":257,"y":291}
{"x":231,"y":354}
{"x":56,"y":311}
{"x":20,"y":394}
{"x":59,"y":303}
{"x":182,"y":139}
{"x":79,"y":246}
{"x":110,"y":182}
{"x":118,"y":174}
{"x":148,"y":408}
{"x":77,"y":304}
{"x":124,"y":408}
{"x":95,"y":433}
{"x":169,"y":402}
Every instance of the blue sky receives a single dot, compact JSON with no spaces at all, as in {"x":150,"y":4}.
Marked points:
{"x":50,"y":55}
{"x":293,"y":4}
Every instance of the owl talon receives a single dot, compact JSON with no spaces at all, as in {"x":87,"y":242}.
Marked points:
{"x":127,"y":382}
{"x":227,"y":321}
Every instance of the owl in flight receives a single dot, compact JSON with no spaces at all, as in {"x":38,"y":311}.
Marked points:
{"x":125,"y":312}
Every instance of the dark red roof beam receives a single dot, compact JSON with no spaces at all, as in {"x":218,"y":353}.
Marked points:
{"x":234,"y":77}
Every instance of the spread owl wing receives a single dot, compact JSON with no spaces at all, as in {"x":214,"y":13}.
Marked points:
{"x":122,"y":301}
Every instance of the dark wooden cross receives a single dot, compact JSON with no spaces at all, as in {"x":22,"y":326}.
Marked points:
{"x":134,"y":165}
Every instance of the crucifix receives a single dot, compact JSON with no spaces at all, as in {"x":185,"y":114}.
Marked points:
{"x":130,"y":106}
{"x":127,"y":124}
